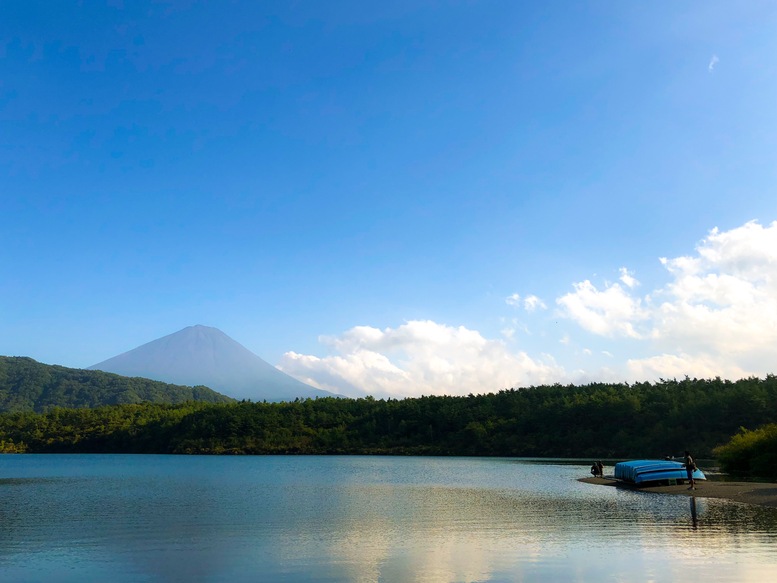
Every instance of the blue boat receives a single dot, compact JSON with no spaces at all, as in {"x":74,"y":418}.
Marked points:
{"x":642,"y":472}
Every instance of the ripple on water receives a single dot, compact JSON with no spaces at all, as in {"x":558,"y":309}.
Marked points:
{"x":75,"y":518}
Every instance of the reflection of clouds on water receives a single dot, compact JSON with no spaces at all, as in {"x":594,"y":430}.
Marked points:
{"x":430,"y":535}
{"x":362,"y":551}
{"x":437,"y":534}
{"x":369,"y":520}
{"x":461,"y":558}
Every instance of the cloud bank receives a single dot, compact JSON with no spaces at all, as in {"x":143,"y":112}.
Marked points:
{"x":715,"y":316}
{"x":418,"y":358}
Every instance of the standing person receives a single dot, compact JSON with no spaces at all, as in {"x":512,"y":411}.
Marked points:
{"x":690,"y":467}
{"x":600,"y":467}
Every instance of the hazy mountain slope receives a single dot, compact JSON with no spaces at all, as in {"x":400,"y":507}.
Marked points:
{"x":28,"y":385}
{"x":201,"y":355}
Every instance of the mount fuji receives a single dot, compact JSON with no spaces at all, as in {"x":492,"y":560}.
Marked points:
{"x":201,"y":355}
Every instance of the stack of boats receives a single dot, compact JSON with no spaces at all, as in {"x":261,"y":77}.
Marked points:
{"x":642,"y":472}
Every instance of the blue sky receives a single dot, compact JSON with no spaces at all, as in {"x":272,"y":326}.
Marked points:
{"x":366,"y":194}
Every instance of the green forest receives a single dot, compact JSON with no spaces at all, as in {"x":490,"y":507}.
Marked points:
{"x":28,"y":385}
{"x":591,"y":421}
{"x":750,"y":453}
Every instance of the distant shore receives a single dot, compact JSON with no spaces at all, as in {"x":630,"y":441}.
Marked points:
{"x":760,"y":493}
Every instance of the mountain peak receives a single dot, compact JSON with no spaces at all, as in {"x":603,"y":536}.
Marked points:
{"x":203,"y":328}
{"x":203,"y":355}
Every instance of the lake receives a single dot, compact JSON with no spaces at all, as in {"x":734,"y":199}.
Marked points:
{"x":88,"y":518}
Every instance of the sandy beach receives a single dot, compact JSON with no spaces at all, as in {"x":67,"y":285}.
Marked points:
{"x":763,"y":494}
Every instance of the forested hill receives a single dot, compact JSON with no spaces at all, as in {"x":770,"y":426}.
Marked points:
{"x":28,"y":385}
{"x":593,"y":421}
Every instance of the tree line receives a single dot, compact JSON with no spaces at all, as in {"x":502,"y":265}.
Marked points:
{"x":590,"y":421}
{"x":751,"y":453}
{"x":28,"y":385}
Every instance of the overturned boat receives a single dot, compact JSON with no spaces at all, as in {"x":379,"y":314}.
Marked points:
{"x":644,"y":472}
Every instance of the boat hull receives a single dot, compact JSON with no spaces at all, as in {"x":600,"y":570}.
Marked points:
{"x":642,"y":472}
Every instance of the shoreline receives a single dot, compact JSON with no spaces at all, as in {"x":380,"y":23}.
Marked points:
{"x":758,"y":493}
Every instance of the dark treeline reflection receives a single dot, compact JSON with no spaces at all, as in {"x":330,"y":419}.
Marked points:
{"x":596,"y":420}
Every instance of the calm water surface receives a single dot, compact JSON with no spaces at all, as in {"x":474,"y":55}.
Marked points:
{"x":88,"y":518}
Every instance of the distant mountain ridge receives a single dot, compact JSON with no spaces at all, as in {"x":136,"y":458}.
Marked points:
{"x":28,"y":385}
{"x":202,"y":355}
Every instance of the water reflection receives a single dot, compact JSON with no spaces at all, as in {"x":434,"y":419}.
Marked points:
{"x":156,"y":518}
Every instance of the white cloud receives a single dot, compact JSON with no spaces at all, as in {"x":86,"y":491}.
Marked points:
{"x":678,"y":365}
{"x":713,"y":61}
{"x":722,"y":303}
{"x":609,"y":312}
{"x":716,"y":317}
{"x":627,"y":278}
{"x":418,"y":358}
{"x":512,"y":327}
{"x":532,"y":302}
